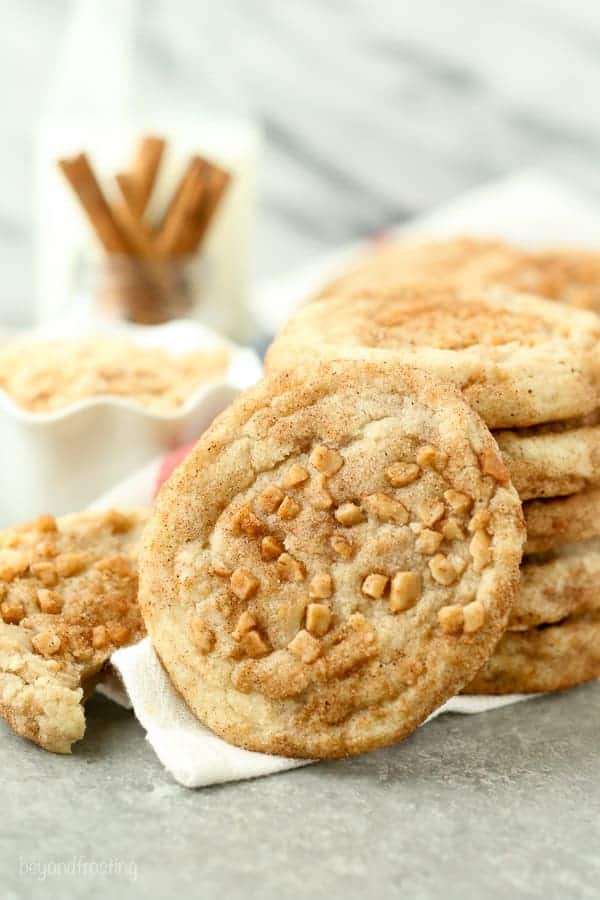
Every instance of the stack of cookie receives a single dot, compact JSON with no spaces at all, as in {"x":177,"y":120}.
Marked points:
{"x":529,"y":368}
{"x":553,"y":641}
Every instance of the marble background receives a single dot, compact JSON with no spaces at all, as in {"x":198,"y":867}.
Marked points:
{"x":371,"y":111}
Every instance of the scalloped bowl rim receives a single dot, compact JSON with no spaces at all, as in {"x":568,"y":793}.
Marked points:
{"x":240,"y":358}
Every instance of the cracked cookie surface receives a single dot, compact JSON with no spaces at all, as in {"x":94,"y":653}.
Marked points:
{"x":336,"y":557}
{"x":68,"y":598}
{"x":518,"y":359}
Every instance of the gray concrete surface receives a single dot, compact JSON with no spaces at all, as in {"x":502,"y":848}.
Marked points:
{"x":504,"y":804}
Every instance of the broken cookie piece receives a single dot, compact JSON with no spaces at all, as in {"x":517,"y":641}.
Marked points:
{"x":68,"y":598}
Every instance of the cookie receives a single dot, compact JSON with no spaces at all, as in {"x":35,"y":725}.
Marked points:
{"x":518,"y":359}
{"x":566,"y":520}
{"x":569,"y":275}
{"x":552,"y":462}
{"x":335,"y":558}
{"x":458,"y":261}
{"x":549,"y":658}
{"x":557,"y":585}
{"x":68,"y":598}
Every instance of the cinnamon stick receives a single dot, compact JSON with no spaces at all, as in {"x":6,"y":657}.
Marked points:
{"x":127,"y":188}
{"x":173,"y":233}
{"x":218,"y":181}
{"x":139,"y":236}
{"x":147,"y":284}
{"x":145,"y":170}
{"x":80,"y":176}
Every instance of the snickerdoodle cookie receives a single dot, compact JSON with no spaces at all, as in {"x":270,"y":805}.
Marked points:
{"x":548,"y":658}
{"x":459,"y":261}
{"x":553,"y":460}
{"x":558,"y":584}
{"x":566,"y":274}
{"x":337,"y":556}
{"x":68,"y":598}
{"x":564,"y":520}
{"x":518,"y":359}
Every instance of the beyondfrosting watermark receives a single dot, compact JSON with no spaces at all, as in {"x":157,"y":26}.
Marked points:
{"x":77,"y":867}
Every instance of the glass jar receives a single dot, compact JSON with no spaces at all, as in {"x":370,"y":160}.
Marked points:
{"x":208,"y":115}
{"x":146,"y":292}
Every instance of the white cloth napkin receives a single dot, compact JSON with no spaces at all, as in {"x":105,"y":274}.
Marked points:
{"x":532,"y":209}
{"x":193,"y":755}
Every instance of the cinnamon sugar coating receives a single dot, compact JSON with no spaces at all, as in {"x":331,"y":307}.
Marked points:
{"x":518,"y":359}
{"x":566,"y":274}
{"x":342,"y":649}
{"x":43,"y":376}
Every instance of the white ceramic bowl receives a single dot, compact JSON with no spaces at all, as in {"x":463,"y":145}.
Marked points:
{"x":60,"y":461}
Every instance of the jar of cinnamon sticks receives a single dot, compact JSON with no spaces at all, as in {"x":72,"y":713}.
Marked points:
{"x":118,"y":287}
{"x":151,"y":268}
